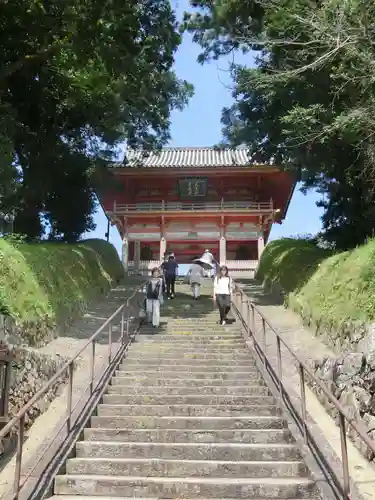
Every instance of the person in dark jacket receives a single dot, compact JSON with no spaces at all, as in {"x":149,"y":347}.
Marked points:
{"x":170,"y":269}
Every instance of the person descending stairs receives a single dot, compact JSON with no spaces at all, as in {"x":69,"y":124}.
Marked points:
{"x":187,"y":415}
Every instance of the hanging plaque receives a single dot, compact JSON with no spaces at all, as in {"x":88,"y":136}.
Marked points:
{"x":193,"y":187}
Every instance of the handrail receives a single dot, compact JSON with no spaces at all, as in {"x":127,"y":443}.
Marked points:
{"x":68,"y":369}
{"x":247,"y":310}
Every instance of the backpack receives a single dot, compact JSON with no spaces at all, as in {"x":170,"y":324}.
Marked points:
{"x":153,"y":293}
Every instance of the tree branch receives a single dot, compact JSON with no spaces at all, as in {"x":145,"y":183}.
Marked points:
{"x":41,"y":55}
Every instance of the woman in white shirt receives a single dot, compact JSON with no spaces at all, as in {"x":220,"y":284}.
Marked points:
{"x":222,"y":295}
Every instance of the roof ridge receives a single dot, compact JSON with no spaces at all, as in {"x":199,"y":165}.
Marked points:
{"x":190,"y":148}
{"x":189,"y":157}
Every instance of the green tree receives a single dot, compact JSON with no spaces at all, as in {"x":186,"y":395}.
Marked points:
{"x":78,"y":78}
{"x":309,"y":103}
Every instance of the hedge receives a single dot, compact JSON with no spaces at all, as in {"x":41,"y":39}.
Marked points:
{"x":45,"y":285}
{"x":335,"y":293}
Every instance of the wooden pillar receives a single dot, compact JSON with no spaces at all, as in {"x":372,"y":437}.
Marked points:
{"x":222,"y":247}
{"x":260,"y":246}
{"x":137,"y":253}
{"x":125,"y":253}
{"x":163,"y":241}
{"x":163,"y":248}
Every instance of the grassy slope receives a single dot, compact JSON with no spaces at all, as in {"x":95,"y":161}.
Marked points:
{"x":288,"y":263}
{"x":46,"y":285}
{"x":334,"y":293}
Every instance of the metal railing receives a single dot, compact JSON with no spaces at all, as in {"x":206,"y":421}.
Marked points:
{"x":224,"y":206}
{"x":247,"y":311}
{"x":127,"y":324}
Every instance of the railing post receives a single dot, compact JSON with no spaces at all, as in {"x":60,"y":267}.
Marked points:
{"x":264,"y":337}
{"x":249,"y":332}
{"x":303,"y":400}
{"x":127,"y":320}
{"x":70,"y":396}
{"x":92,"y":366}
{"x":17,"y":474}
{"x":109,"y":343}
{"x":243,"y":308}
{"x":122,"y":327}
{"x":344,"y":455}
{"x":279,"y":371}
{"x":253,"y":318}
{"x":5,"y":377}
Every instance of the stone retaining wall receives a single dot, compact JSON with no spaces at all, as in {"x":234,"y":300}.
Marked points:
{"x":26,"y":334}
{"x":351,"y":379}
{"x":31,"y":370}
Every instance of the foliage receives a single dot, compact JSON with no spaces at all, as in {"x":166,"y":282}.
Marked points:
{"x":76,"y":79}
{"x":44,"y":285}
{"x":339,"y":297}
{"x":288,"y":263}
{"x":309,"y":102}
{"x":333,"y":292}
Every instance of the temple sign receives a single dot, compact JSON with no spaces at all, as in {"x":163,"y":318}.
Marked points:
{"x":193,"y":187}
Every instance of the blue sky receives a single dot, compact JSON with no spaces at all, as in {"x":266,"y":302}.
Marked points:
{"x":199,"y":125}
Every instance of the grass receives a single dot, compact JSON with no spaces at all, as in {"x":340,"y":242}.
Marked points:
{"x":44,"y":286}
{"x":287,"y":264}
{"x":334,"y":293}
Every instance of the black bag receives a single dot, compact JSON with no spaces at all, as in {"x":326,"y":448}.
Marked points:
{"x":153,"y":294}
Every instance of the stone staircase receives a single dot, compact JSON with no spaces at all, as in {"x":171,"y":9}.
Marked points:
{"x":187,"y":415}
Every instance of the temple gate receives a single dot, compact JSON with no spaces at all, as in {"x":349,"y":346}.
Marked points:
{"x":190,"y":199}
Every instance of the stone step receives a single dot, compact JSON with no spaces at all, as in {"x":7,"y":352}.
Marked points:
{"x":176,"y":342}
{"x":145,"y":410}
{"x":188,"y":451}
{"x":204,"y":324}
{"x":250,"y":374}
{"x":183,"y":468}
{"x":216,"y":366}
{"x":196,"y":399}
{"x":255,"y":436}
{"x":180,"y":338}
{"x":196,"y":423}
{"x":189,"y":348}
{"x":165,"y":487}
{"x":164,"y":362}
{"x":144,"y":381}
{"x":240,"y":390}
{"x":106,"y":497}
{"x":188,"y":352}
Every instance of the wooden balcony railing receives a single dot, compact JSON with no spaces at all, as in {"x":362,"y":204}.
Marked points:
{"x":224,"y":206}
{"x":241,"y":265}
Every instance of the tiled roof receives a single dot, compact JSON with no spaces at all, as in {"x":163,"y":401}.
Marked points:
{"x":188,"y":158}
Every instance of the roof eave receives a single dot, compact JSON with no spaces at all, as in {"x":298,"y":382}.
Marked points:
{"x":126,"y":170}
